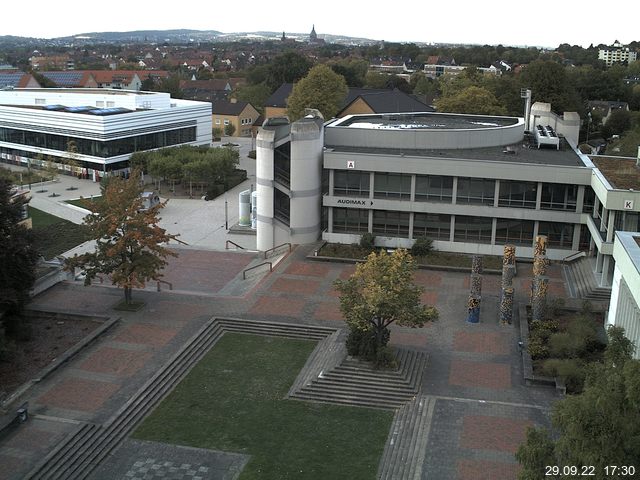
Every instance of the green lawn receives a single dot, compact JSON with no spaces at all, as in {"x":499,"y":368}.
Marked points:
{"x":85,"y":202}
{"x":55,"y":235}
{"x":233,"y":400}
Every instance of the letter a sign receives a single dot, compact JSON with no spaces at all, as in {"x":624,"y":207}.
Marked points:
{"x":351,"y":164}
{"x":628,"y":204}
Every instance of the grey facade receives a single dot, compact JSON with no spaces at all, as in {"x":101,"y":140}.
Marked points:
{"x":470,"y":183}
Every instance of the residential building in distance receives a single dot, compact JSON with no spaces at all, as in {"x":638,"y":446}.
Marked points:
{"x":115,"y":79}
{"x":106,"y":126}
{"x":470,"y":183}
{"x":357,"y":101}
{"x":241,"y":115}
{"x":606,"y":108}
{"x":617,"y":53}
{"x":16,"y":79}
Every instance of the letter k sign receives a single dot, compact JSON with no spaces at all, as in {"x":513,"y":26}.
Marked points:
{"x":628,"y":204}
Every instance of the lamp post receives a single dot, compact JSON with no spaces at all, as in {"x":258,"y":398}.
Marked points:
{"x":588,"y":125}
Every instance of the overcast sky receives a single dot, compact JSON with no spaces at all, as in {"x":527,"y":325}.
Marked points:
{"x":506,"y":22}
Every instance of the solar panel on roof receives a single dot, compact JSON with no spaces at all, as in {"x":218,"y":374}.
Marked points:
{"x":109,"y":111}
{"x":78,"y":109}
{"x":64,"y":78}
{"x":54,"y":107}
{"x":10,"y":79}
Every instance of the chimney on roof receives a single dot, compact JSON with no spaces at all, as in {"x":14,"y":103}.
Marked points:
{"x":233,"y":100}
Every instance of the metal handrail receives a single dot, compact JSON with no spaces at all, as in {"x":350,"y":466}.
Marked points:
{"x":276,"y":247}
{"x":244,"y":272}
{"x":166,"y":283}
{"x":226,"y":245}
{"x":573,"y":256}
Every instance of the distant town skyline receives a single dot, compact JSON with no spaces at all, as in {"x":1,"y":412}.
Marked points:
{"x":495,"y":22}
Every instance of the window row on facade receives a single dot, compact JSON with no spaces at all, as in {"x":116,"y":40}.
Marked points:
{"x":471,"y":191}
{"x":97,"y":148}
{"x":467,"y":229}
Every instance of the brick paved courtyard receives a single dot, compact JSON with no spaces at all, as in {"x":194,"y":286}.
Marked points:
{"x":482,"y":407}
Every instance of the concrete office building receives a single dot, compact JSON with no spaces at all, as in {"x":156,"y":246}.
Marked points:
{"x":106,"y":126}
{"x":624,"y":310}
{"x":470,"y":183}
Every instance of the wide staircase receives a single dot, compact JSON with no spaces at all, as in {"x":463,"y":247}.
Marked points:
{"x":82,"y":452}
{"x":406,"y":445}
{"x":582,"y":281}
{"x":356,"y":382}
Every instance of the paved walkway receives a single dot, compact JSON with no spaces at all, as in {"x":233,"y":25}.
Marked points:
{"x":482,"y":405}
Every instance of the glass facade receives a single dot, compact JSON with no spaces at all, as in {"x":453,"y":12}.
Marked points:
{"x":281,"y":206}
{"x":350,"y":220}
{"x":517,"y":194}
{"x":432,"y":225}
{"x":473,"y":229}
{"x":282,"y":164}
{"x":390,"y":223}
{"x":589,"y":200}
{"x":434,"y":188}
{"x":557,"y":196}
{"x":351,"y":183}
{"x":518,"y":232}
{"x":559,"y":235}
{"x":98,"y":148}
{"x":477,"y":191}
{"x":392,"y":185}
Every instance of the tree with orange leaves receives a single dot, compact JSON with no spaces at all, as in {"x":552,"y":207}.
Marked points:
{"x":130,"y":246}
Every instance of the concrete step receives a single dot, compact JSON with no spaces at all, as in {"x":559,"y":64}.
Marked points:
{"x":405,"y":449}
{"x":349,"y":400}
{"x":337,"y":379}
{"x":371,"y":390}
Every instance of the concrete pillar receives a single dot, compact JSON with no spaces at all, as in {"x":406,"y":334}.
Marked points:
{"x":506,"y":306}
{"x":539,"y":298}
{"x":307,"y":141}
{"x":330,"y":220}
{"x":372,"y":179}
{"x":265,"y":145}
{"x":599,"y":262}
{"x":577,"y":229}
{"x":454,"y":191}
{"x":411,"y":224}
{"x":611,"y":225}
{"x":606,"y":263}
{"x":580,"y":199}
{"x":413,"y":190}
{"x":539,"y":196}
{"x":331,"y":181}
{"x":494,"y":227}
{"x":496,"y":194}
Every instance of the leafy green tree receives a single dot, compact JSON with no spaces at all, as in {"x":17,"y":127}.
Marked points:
{"x":129,"y":243}
{"x":375,"y":80}
{"x":381,"y":292}
{"x":549,"y":83}
{"x":600,"y":426}
{"x":322,"y":89}
{"x":256,"y":95}
{"x":287,"y":68}
{"x":474,"y":100}
{"x":229,"y":129}
{"x":618,"y":122}
{"x":353,"y":71}
{"x":627,"y":144}
{"x":170,"y":85}
{"x":17,"y":254}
